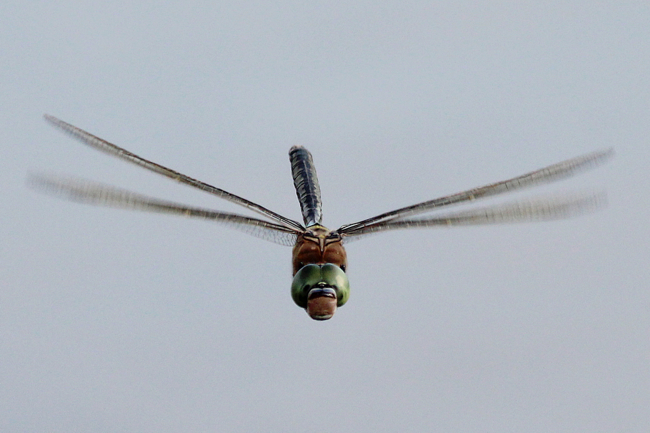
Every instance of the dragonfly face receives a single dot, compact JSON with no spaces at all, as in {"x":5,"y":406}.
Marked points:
{"x":320,"y":289}
{"x":320,"y":284}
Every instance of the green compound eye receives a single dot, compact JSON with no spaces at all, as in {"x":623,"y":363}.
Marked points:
{"x":325,"y":276}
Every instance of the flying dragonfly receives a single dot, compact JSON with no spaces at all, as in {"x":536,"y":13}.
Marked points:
{"x":320,"y":284}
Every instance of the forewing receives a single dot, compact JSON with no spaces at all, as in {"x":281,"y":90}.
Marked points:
{"x":111,"y":149}
{"x":98,"y":194}
{"x":536,"y":209}
{"x":545,"y":175}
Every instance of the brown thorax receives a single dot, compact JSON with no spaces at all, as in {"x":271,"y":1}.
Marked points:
{"x":319,"y":245}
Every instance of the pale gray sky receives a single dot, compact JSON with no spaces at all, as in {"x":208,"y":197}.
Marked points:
{"x":119,"y":321}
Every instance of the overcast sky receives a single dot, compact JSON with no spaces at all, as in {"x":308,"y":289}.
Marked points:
{"x":118,"y":321}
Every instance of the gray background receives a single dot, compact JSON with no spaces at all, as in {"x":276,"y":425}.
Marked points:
{"x":120,"y":321}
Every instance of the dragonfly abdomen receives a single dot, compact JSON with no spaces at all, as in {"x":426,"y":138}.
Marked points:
{"x":306,"y":183}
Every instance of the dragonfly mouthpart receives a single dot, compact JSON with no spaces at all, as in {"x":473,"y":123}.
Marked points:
{"x":321,"y":303}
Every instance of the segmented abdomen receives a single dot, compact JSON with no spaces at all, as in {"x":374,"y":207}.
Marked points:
{"x":306,"y":183}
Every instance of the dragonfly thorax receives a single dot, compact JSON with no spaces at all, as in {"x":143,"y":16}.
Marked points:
{"x":319,"y":245}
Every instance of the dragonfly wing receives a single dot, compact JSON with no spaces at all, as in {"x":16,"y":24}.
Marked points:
{"x":111,"y":149}
{"x":545,"y":175}
{"x":536,"y":209}
{"x":98,"y":194}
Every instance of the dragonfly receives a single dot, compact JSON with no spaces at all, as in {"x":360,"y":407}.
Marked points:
{"x":319,"y":261}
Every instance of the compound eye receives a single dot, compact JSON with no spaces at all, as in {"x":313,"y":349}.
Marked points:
{"x":325,"y":276}
{"x":307,"y":277}
{"x":333,"y":276}
{"x":343,"y":267}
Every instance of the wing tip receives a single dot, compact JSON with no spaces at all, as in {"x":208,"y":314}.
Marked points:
{"x":43,"y":182}
{"x":604,"y":155}
{"x":51,"y":119}
{"x":55,"y":121}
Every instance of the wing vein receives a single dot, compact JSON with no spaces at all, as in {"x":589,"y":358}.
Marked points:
{"x":544,"y":175}
{"x":544,"y":208}
{"x":98,"y":194}
{"x":111,"y":149}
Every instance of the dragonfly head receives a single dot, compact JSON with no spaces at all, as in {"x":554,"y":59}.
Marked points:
{"x":320,"y":289}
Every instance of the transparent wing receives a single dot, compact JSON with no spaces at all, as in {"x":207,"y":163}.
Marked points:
{"x":536,"y":209}
{"x":548,"y":174}
{"x":124,"y":154}
{"x":94,"y":193}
